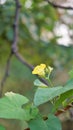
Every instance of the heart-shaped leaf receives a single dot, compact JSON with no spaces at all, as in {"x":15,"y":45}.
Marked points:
{"x":11,"y":106}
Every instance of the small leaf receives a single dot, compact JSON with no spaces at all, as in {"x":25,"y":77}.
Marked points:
{"x":38,"y":83}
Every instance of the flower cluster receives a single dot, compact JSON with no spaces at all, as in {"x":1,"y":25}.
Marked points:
{"x":42,"y":70}
{"x":39,"y":70}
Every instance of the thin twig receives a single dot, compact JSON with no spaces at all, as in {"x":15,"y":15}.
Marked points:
{"x":23,"y":61}
{"x":14,"y":49}
{"x":14,"y":45}
{"x":15,"y":27}
{"x":6,"y":73}
{"x":59,"y":6}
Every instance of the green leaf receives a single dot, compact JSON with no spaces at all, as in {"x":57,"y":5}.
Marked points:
{"x":38,"y":124}
{"x":43,"y":95}
{"x":62,"y":98}
{"x":38,"y":83}
{"x":11,"y":106}
{"x":53,"y":123}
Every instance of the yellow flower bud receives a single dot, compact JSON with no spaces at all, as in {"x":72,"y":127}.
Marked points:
{"x":42,"y":70}
{"x":39,"y":70}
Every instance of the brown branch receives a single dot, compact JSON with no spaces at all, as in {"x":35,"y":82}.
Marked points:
{"x":60,"y":111}
{"x":15,"y":27}
{"x":59,"y":6}
{"x":6,"y":73}
{"x":14,"y":44}
{"x":21,"y":59}
{"x":14,"y":49}
{"x":63,"y":110}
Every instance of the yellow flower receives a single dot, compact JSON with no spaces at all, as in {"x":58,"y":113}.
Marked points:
{"x":39,"y":70}
{"x":42,"y":70}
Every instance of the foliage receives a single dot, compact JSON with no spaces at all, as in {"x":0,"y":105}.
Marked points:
{"x":38,"y":123}
{"x":37,"y":34}
{"x":16,"y":106}
{"x":11,"y":106}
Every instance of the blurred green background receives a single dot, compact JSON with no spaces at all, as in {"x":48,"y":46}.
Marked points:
{"x":45,"y":36}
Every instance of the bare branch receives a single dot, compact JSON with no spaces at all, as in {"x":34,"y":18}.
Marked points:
{"x":21,"y":59}
{"x":14,"y":44}
{"x":14,"y":49}
{"x":59,"y":6}
{"x":15,"y":27}
{"x":6,"y":73}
